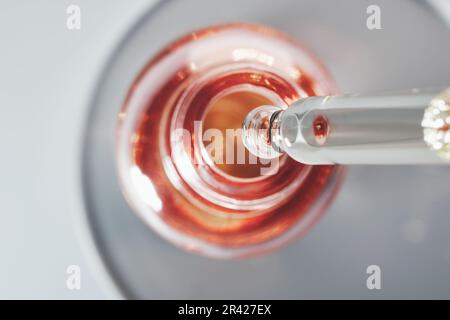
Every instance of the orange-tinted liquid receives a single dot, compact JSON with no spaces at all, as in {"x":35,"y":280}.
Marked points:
{"x":229,"y":205}
{"x":226,"y":115}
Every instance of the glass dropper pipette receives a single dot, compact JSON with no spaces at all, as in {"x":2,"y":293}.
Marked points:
{"x":402,"y":128}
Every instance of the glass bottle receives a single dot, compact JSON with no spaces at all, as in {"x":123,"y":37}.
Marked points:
{"x":179,"y":166}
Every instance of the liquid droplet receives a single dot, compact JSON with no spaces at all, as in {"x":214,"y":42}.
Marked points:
{"x":256,"y":132}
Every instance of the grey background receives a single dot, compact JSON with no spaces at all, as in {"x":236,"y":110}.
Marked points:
{"x":60,"y":86}
{"x":47,"y":75}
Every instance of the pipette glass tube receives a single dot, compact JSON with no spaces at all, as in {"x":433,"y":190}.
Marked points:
{"x":348,"y":129}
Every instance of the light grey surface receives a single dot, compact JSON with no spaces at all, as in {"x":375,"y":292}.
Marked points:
{"x":47,"y":74}
{"x":395,"y":217}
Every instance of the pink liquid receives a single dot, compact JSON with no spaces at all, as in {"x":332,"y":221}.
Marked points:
{"x":218,"y":208}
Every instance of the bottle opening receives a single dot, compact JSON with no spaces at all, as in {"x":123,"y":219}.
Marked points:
{"x":222,"y":125}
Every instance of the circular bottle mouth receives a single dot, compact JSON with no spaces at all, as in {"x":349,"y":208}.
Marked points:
{"x":176,"y":167}
{"x":222,"y":134}
{"x":215,"y":164}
